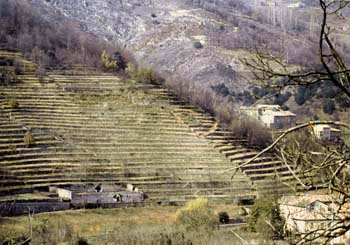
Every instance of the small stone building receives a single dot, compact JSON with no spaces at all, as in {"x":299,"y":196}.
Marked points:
{"x":326,"y":132}
{"x":271,"y":116}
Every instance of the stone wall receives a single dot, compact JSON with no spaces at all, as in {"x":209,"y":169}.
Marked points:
{"x":120,"y":197}
{"x":16,"y":208}
{"x":21,"y":208}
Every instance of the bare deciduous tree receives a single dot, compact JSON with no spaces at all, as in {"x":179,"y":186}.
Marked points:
{"x":314,"y":163}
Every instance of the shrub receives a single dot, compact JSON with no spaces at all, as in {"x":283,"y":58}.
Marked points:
{"x":120,"y":60}
{"x":224,"y":217}
{"x":342,"y":101}
{"x":197,"y":215}
{"x":329,"y":91}
{"x":281,"y":98}
{"x":7,"y":76}
{"x":107,"y":62}
{"x":328,"y":107}
{"x":261,"y":92}
{"x":221,"y":89}
{"x":299,"y":98}
{"x":141,"y":74}
{"x":265,"y":214}
{"x":82,"y":241}
{"x":145,"y":74}
{"x":285,"y":107}
{"x":198,"y":45}
{"x":246,"y":97}
{"x":131,"y":71}
{"x":304,"y":93}
{"x":29,"y":139}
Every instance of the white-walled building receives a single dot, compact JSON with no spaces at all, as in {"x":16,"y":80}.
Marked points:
{"x":271,"y":116}
{"x":326,"y":132}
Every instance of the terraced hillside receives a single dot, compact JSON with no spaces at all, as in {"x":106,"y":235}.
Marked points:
{"x":91,"y":127}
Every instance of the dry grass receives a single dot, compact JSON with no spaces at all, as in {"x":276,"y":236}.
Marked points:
{"x":108,"y":217}
{"x":93,"y":223}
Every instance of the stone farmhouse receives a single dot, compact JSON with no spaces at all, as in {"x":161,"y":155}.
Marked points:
{"x":326,"y":132}
{"x":311,"y":212}
{"x":271,"y":116}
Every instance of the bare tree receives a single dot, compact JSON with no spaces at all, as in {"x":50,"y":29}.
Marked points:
{"x":314,"y":163}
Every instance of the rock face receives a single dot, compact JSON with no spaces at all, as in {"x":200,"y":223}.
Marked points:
{"x":162,"y":34}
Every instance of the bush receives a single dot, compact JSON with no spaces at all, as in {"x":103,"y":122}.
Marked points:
{"x":299,"y":98}
{"x":198,"y":45}
{"x":285,"y":107}
{"x":304,"y":93}
{"x":246,"y":97}
{"x":281,"y":98}
{"x":141,"y":74}
{"x":197,"y":215}
{"x":343,"y":102}
{"x":7,"y":76}
{"x":224,"y":218}
{"x":264,"y":214}
{"x":328,"y":107}
{"x":29,"y":139}
{"x":107,"y":62}
{"x":261,"y":92}
{"x":221,"y":89}
{"x":329,"y":91}
{"x":131,"y":71}
{"x":82,"y":241}
{"x":145,"y":75}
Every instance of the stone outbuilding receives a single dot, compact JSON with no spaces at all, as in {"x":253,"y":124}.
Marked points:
{"x":271,"y":116}
{"x":326,"y":132}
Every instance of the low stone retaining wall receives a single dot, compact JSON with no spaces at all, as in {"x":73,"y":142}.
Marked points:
{"x":19,"y":208}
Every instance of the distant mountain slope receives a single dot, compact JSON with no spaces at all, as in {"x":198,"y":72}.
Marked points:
{"x":159,"y":33}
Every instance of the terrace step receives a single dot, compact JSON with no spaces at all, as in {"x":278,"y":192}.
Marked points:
{"x":93,"y":127}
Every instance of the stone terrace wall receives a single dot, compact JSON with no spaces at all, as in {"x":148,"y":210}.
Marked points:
{"x":18,"y":208}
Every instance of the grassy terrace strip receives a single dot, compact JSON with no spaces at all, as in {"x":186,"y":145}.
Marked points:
{"x":98,"y":128}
